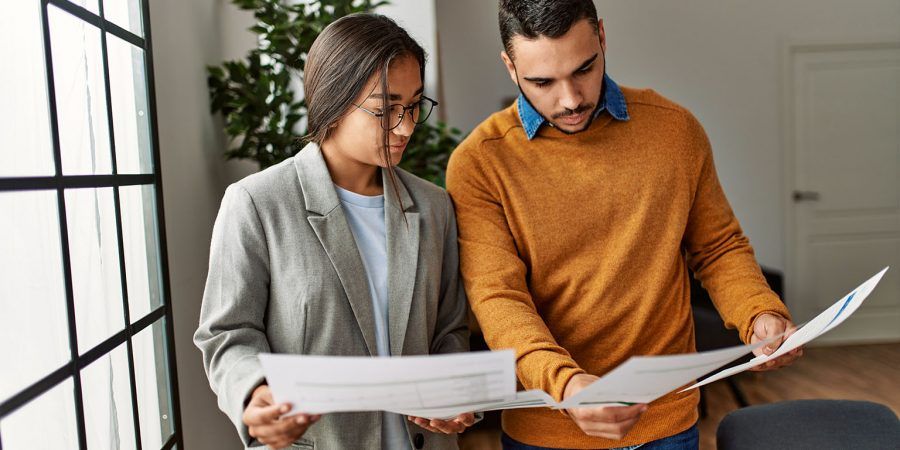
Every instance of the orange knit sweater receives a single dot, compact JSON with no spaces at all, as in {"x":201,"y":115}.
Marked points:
{"x":575,"y":252}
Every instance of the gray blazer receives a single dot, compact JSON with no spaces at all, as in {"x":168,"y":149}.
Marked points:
{"x":285,"y":276}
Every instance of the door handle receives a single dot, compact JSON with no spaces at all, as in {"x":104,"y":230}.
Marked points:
{"x":806,"y":196}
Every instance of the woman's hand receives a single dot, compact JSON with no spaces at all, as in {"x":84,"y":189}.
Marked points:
{"x":456,"y":425}
{"x":263,"y":418}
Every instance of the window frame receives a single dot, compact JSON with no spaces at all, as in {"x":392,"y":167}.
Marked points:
{"x":165,"y":363}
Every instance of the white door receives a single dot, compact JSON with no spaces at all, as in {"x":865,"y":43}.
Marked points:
{"x":842,"y":142}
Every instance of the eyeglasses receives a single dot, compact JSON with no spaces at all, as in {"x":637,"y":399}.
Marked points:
{"x":418,"y":112}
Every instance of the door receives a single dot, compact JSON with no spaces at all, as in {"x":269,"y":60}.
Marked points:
{"x":843,"y":154}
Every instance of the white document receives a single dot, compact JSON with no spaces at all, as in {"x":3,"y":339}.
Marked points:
{"x":523,"y":399}
{"x":324,"y":384}
{"x":643,"y":379}
{"x":821,"y":324}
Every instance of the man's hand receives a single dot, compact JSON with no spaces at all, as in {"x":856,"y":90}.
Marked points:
{"x":609,"y":422}
{"x":263,"y":417}
{"x":770,"y":325}
{"x":456,"y":425}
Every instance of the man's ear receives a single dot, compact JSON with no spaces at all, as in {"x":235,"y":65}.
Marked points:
{"x":602,"y":33}
{"x":510,"y":67}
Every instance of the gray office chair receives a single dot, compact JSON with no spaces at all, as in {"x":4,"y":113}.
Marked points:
{"x":810,"y":424}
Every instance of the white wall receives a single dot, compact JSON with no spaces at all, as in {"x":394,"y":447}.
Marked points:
{"x":188,"y":35}
{"x":719,"y":58}
{"x":473,"y":78}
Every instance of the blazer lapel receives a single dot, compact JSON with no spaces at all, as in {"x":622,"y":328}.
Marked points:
{"x":402,"y":253}
{"x":331,"y":227}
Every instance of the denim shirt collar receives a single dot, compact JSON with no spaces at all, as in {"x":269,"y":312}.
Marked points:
{"x":613,"y":101}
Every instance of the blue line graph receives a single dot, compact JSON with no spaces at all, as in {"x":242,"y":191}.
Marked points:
{"x":843,"y":307}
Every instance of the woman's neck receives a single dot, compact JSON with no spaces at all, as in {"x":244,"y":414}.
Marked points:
{"x":354,"y":176}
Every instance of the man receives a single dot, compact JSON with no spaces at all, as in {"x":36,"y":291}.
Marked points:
{"x":581,"y":208}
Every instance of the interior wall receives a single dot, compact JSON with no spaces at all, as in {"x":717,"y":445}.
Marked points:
{"x":186,"y":37}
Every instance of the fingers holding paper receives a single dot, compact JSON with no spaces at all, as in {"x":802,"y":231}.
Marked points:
{"x":449,"y":426}
{"x":264,"y":420}
{"x":768,"y":326}
{"x":609,"y":422}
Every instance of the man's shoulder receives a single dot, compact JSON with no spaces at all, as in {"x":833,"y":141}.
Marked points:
{"x":673,"y":122}
{"x":649,"y":99}
{"x":651,"y":107}
{"x":489,"y":133}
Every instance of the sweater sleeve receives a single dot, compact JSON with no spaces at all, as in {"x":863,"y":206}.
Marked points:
{"x":719,"y":253}
{"x":495,"y":280}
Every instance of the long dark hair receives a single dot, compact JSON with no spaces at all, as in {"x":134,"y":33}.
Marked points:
{"x":341,"y":61}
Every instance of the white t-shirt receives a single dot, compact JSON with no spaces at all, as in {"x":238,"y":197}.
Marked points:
{"x":365,"y":215}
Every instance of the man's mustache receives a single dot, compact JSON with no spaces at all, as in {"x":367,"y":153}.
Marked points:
{"x":572,"y":112}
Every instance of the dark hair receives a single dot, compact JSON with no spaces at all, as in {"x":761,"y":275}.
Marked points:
{"x":341,"y":61}
{"x":536,"y":18}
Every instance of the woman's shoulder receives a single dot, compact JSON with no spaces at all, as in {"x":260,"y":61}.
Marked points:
{"x":271,"y":182}
{"x":421,"y":189}
{"x":270,"y":193}
{"x":430,"y":199}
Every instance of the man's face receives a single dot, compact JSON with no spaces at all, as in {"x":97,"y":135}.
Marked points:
{"x":561,"y":77}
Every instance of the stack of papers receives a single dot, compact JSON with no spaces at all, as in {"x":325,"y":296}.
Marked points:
{"x":443,"y":386}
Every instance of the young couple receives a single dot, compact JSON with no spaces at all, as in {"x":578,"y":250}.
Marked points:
{"x":580,"y":209}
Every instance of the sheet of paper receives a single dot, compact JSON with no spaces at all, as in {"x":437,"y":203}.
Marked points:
{"x":819,"y":325}
{"x":523,"y":399}
{"x":535,"y":398}
{"x":643,"y":379}
{"x":323,"y":384}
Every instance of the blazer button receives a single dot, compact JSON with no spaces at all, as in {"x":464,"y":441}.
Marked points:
{"x":419,"y":441}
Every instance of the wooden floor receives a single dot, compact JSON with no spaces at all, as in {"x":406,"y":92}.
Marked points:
{"x":863,"y":372}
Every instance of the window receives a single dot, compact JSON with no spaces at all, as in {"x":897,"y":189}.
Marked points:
{"x":86,"y":333}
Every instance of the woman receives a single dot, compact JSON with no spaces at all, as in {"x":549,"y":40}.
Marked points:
{"x":336,"y":252}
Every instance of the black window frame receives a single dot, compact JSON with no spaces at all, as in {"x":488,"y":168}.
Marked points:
{"x":60,"y":183}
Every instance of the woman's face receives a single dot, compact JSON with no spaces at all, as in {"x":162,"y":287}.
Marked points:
{"x":358,"y":134}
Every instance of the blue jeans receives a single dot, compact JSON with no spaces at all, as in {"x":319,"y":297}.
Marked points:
{"x":686,"y":440}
